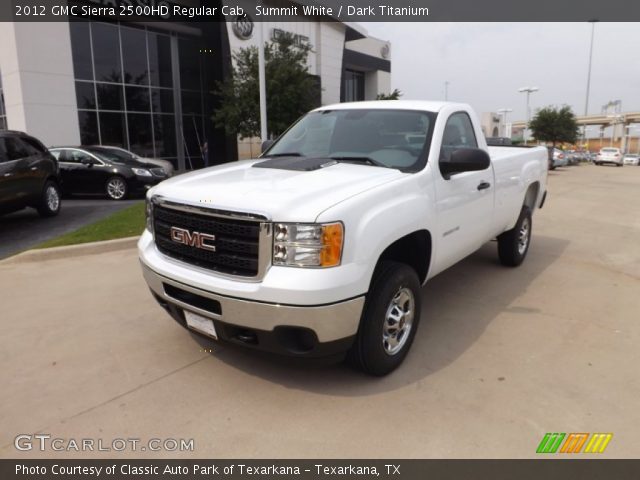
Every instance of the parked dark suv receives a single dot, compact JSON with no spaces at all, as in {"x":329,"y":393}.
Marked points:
{"x":29,"y":175}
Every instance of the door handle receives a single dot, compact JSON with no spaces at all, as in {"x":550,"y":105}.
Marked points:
{"x":484,"y":185}
{"x":8,"y":175}
{"x":33,"y":169}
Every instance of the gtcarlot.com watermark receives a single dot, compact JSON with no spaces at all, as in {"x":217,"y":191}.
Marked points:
{"x":45,"y":442}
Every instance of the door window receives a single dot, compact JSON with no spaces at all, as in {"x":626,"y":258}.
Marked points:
{"x":458,"y":133}
{"x":76,"y":156}
{"x":15,"y":149}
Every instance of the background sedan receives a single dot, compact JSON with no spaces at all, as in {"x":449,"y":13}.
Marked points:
{"x":97,"y":170}
{"x":126,"y":155}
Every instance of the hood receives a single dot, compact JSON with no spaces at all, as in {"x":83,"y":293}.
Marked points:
{"x":282,"y":195}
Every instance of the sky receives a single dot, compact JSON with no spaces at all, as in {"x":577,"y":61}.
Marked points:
{"x":486,"y":63}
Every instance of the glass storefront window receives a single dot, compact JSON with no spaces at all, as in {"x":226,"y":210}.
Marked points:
{"x":160,"y":71}
{"x":189,"y":64}
{"x":112,"y":129}
{"x":140,"y":138}
{"x":134,"y":56}
{"x":110,"y":96}
{"x":162,"y":100}
{"x":86,"y":95}
{"x":81,"y":50}
{"x":88,"y":122}
{"x":164,"y":128}
{"x":137,"y":99}
{"x":106,"y":52}
{"x":127,"y":94}
{"x":353,"y":86}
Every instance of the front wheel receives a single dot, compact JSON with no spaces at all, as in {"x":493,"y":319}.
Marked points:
{"x":513,"y":245}
{"x":49,"y":205}
{"x":389,"y":320}
{"x":116,"y":188}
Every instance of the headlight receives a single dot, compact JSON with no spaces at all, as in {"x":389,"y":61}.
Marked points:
{"x":141,"y":172}
{"x":148,"y":213}
{"x":308,"y":245}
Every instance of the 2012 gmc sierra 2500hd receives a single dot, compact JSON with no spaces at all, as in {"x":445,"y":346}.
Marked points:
{"x":321,"y":245}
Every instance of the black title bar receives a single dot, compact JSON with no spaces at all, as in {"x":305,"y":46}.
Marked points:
{"x":328,"y":10}
{"x":543,"y":468}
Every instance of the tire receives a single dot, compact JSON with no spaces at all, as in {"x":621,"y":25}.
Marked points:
{"x":116,"y":188}
{"x":513,"y":245}
{"x":50,"y":200}
{"x":393,"y":299}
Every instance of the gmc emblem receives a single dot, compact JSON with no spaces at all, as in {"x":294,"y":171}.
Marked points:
{"x":193,"y":239}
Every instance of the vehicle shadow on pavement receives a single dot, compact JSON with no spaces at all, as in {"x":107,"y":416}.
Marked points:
{"x":458,"y":305}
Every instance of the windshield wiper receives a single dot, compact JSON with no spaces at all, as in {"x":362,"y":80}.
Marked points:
{"x":286,"y":154}
{"x":368,"y":160}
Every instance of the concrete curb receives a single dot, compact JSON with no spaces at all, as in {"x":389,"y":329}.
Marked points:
{"x":72,"y":251}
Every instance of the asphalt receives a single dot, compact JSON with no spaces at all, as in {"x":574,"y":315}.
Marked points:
{"x":502,"y":355}
{"x":24,"y":229}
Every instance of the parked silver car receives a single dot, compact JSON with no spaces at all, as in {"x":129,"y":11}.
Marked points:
{"x":559,"y":158}
{"x":631,"y":159}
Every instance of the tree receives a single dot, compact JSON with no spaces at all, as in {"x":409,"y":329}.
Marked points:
{"x":291,"y":90}
{"x":395,"y":95}
{"x":555,"y":125}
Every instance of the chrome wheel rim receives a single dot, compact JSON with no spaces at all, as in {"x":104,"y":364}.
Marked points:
{"x":398,"y":321}
{"x":116,"y":188}
{"x":523,"y":236}
{"x":52,"y":197}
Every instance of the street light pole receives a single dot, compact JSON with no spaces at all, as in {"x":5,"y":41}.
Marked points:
{"x":262,"y":84}
{"x":528,"y":91}
{"x":586,"y":101}
{"x":504,"y":112}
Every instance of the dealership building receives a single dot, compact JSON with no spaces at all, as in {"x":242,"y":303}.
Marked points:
{"x":149,"y":87}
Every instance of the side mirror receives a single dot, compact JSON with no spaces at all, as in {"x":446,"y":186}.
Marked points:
{"x":266,"y":144}
{"x":465,"y":160}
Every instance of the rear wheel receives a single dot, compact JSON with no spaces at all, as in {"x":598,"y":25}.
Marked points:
{"x":389,"y":320}
{"x":116,"y":188}
{"x":49,"y":205}
{"x":513,"y":245}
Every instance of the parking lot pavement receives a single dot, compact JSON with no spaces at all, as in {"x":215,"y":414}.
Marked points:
{"x":502,"y":355}
{"x":25,"y":229}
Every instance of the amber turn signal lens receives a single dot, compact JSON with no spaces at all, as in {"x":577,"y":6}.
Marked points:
{"x":332,"y":239}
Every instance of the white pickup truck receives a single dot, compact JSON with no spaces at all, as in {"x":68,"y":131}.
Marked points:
{"x":320,"y":247}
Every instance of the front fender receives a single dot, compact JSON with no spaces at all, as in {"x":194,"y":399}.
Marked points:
{"x":378,"y":217}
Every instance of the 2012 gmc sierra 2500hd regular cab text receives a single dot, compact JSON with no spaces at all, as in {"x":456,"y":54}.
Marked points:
{"x":321,"y":246}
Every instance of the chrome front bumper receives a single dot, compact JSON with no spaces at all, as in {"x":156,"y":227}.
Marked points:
{"x":329,"y":322}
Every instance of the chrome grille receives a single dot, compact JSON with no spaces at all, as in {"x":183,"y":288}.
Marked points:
{"x":237,"y":240}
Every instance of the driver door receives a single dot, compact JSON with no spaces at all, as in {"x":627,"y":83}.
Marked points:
{"x":464,"y":201}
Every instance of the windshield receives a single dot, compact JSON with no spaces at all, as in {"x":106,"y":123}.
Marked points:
{"x":390,"y":138}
